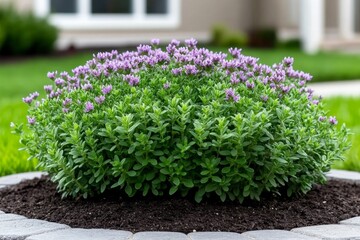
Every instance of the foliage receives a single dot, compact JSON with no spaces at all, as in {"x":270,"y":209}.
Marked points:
{"x":223,"y":37}
{"x":263,"y":38}
{"x":184,"y":120}
{"x":25,"y":34}
{"x":289,"y":44}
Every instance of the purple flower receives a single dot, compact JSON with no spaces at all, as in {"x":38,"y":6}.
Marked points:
{"x":264,"y":98}
{"x":65,"y":110}
{"x":322,"y":118}
{"x":176,"y":71}
{"x":155,"y":41}
{"x":59,"y":82}
{"x":234,"y":79}
{"x":285,"y":89}
{"x":131,"y":79}
{"x":89,"y":107}
{"x":235,"y":52}
{"x":87,"y":87}
{"x":288,"y":61}
{"x":191,"y":43}
{"x":230,"y":94}
{"x":107,"y":89}
{"x":100,"y":99}
{"x":31,"y":120}
{"x":332,"y":120}
{"x":51,"y":75}
{"x":250,"y":85}
{"x":27,"y":100}
{"x":30,"y":98}
{"x":34,"y":95}
{"x":175,"y":42}
{"x":166,"y":85}
{"x":67,"y":101}
{"x":48,"y":88}
{"x":316,"y":102}
{"x":190,"y":70}
{"x":143,"y":49}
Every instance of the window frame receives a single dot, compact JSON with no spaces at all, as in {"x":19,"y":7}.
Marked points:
{"x":85,"y":20}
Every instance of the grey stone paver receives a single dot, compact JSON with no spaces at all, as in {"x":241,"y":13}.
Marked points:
{"x":10,"y":217}
{"x":351,"y":221}
{"x":331,"y":231}
{"x":216,"y":236}
{"x":20,"y":229}
{"x":159,"y":236}
{"x":276,"y":235}
{"x":83,"y":234}
{"x":17,"y":178}
{"x":353,"y":177}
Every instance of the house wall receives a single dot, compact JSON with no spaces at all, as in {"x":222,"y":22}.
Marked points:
{"x":197,"y":19}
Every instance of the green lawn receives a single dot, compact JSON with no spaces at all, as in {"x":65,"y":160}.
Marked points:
{"x":347,"y":111}
{"x":19,"y":79}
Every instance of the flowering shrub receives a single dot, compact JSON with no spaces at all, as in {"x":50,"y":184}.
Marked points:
{"x":182,"y":120}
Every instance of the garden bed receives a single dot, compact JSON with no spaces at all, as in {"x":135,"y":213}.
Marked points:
{"x":326,"y":204}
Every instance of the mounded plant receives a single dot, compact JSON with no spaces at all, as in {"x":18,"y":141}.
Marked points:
{"x":182,"y":120}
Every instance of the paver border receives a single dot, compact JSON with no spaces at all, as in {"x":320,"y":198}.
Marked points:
{"x":343,"y":175}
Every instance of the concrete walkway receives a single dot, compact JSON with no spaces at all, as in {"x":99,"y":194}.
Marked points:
{"x":16,"y":227}
{"x":340,"y":88}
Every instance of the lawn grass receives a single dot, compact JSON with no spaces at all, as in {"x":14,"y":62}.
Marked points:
{"x":21,"y":78}
{"x":12,"y":160}
{"x":346,"y":110}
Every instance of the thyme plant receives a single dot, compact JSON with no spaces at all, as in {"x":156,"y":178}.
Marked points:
{"x":182,"y":120}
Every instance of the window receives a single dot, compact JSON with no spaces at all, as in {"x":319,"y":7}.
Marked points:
{"x":111,"y":6}
{"x":110,"y":14}
{"x":62,"y":6}
{"x":156,"y":6}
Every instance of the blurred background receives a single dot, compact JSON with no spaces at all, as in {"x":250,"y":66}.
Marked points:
{"x":37,"y":36}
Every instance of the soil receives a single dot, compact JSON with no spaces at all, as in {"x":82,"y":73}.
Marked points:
{"x":325,"y":204}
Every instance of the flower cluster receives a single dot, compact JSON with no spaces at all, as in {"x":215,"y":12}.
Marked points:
{"x":182,"y":119}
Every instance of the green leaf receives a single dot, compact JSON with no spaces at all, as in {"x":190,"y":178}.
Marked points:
{"x":176,"y":181}
{"x":165,"y":171}
{"x":158,"y":153}
{"x":173,"y":190}
{"x":128,"y":190}
{"x":199,"y":195}
{"x":225,"y":170}
{"x":138,"y":185}
{"x":233,"y":152}
{"x":103,"y":187}
{"x":188,"y":183}
{"x":211,"y":187}
{"x":258,"y":148}
{"x":146,"y":189}
{"x":131,"y":173}
{"x":225,"y":153}
{"x":216,"y":179}
{"x":273,"y":182}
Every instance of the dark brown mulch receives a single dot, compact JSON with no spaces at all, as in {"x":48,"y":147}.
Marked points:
{"x":326,"y":204}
